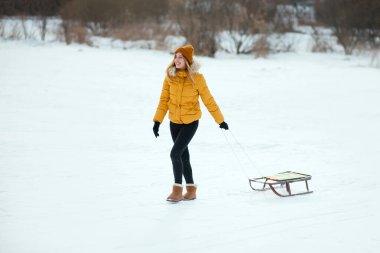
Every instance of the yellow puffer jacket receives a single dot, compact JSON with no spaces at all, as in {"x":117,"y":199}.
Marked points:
{"x":181,"y":98}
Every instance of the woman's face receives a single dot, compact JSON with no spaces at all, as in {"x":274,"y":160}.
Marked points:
{"x":179,"y":61}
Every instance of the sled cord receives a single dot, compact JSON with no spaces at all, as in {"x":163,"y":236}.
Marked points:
{"x":242,"y":167}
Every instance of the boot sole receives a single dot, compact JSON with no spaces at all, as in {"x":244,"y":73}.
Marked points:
{"x":189,"y":199}
{"x":173,"y":200}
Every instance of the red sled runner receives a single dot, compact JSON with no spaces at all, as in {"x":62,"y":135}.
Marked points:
{"x":279,"y":180}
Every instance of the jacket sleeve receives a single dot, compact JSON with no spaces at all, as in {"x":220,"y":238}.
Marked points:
{"x":162,"y":107}
{"x":208,"y":100}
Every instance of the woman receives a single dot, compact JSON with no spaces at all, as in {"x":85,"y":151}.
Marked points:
{"x":180,"y":95}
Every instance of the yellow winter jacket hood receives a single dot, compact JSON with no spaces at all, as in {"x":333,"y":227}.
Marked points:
{"x":181,"y":97}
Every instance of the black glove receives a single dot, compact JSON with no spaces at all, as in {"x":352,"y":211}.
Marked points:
{"x":155,"y":128}
{"x":223,"y":125}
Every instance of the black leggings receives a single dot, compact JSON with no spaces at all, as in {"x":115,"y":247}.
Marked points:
{"x":182,"y":135}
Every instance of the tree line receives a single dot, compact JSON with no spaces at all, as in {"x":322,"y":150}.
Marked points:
{"x":246,"y":23}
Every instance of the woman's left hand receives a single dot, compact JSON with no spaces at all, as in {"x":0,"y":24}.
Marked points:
{"x":223,"y":125}
{"x":156,"y":126}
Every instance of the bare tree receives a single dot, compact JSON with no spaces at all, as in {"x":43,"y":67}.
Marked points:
{"x":242,"y":20}
{"x":24,"y":27}
{"x":102,"y":17}
{"x":320,"y":43}
{"x":373,"y":24}
{"x":97,"y":15}
{"x":30,"y":7}
{"x":45,"y":9}
{"x":353,"y":21}
{"x":199,"y":22}
{"x":40,"y":9}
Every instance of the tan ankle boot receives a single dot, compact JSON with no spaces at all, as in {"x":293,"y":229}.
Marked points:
{"x":191,"y":190}
{"x":176,"y":194}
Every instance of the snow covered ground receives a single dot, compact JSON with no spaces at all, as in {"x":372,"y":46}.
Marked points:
{"x":81,"y":171}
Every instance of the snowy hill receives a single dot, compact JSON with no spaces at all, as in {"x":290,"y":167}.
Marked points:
{"x":81,"y":171}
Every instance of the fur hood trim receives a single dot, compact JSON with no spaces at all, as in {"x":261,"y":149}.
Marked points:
{"x":194,"y":67}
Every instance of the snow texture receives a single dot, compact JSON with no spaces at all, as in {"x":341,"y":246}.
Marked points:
{"x":81,"y":171}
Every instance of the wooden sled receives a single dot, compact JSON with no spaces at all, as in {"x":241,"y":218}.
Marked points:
{"x":279,"y":180}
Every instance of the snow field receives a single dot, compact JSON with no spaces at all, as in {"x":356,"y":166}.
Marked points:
{"x":81,"y":171}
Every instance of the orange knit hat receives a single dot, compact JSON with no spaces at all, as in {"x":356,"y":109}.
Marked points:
{"x":187,"y":52}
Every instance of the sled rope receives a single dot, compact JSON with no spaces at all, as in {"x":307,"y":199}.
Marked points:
{"x":242,"y":167}
{"x":236,"y":156}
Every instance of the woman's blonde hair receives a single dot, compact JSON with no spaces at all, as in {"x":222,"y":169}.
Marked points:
{"x":188,"y":69}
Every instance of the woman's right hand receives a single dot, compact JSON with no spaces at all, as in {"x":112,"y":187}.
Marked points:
{"x":156,"y":126}
{"x":223,"y":125}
